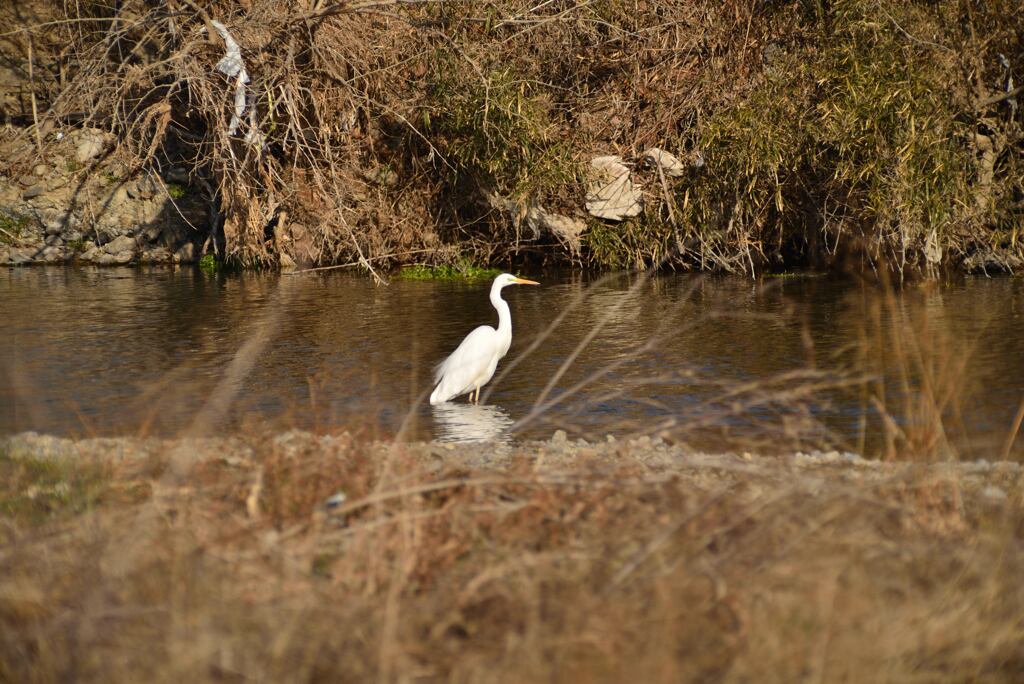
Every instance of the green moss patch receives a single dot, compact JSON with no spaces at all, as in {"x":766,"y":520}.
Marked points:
{"x":12,"y":226}
{"x":463,"y":272}
{"x":208,"y":263}
{"x":34,"y":490}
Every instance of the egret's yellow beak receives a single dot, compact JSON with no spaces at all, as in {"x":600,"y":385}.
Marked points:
{"x":524,"y":281}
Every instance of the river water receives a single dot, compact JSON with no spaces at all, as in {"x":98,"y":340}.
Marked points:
{"x":715,"y":362}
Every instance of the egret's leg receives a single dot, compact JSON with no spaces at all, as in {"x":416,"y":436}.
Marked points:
{"x":471,"y":394}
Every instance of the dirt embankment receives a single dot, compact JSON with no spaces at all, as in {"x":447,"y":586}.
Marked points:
{"x":729,"y":136}
{"x":298,"y":557}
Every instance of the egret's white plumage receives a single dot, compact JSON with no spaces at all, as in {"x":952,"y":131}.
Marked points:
{"x":473,"y":362}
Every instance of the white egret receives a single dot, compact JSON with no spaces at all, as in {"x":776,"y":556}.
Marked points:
{"x":473,"y":362}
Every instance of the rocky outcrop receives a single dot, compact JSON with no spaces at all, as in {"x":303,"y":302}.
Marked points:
{"x":81,"y":204}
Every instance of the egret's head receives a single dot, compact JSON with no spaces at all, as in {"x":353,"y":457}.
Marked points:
{"x":509,"y":279}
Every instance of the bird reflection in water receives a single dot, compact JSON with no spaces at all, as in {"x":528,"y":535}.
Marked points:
{"x":470,"y":423}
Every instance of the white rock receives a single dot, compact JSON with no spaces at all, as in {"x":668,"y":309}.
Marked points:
{"x":567,"y":230}
{"x":668,"y":162}
{"x":90,"y":147}
{"x":612,"y":195}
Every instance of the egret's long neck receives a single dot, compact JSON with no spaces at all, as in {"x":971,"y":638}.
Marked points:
{"x":504,"y":315}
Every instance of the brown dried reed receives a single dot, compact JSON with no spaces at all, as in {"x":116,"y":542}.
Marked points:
{"x":539,"y":562}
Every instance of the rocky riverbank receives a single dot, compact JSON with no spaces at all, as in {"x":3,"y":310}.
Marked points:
{"x":81,"y":204}
{"x":299,"y":556}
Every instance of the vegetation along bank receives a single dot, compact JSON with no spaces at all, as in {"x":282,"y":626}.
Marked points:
{"x":731,"y":135}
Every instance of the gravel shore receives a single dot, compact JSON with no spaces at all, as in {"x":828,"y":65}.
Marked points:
{"x":813,"y":468}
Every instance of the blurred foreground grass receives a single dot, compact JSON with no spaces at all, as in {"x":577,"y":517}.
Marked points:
{"x":216,"y":560}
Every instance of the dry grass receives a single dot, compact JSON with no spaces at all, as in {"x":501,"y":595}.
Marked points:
{"x":862,"y":132}
{"x":546,"y":562}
